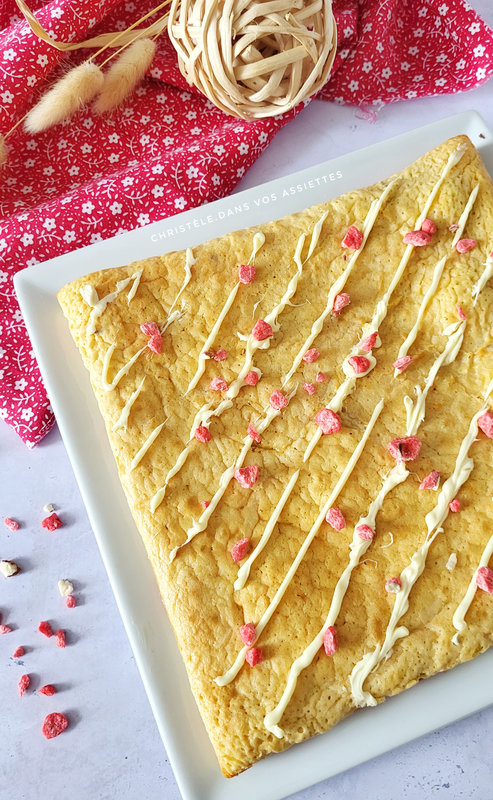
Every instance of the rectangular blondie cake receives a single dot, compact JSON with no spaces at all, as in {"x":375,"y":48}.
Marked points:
{"x":301,"y":418}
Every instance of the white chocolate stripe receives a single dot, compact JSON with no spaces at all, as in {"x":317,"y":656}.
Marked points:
{"x":211,"y":338}
{"x":437,"y":274}
{"x":107,"y":386}
{"x":410,"y":574}
{"x":244,"y":570}
{"x":459,"y":618}
{"x":145,"y":447}
{"x":230,"y":674}
{"x":90,"y":295}
{"x":205,"y":414}
{"x":339,"y":283}
{"x":358,"y":548}
{"x":253,"y":344}
{"x":200,"y":525}
{"x":351,"y":377}
{"x":189,"y":262}
{"x":123,"y":418}
{"x":135,"y":285}
{"x":415,"y":411}
{"x":258,"y":241}
{"x":484,"y":278}
{"x":347,"y":386}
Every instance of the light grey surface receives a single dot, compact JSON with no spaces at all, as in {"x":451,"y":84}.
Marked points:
{"x":363,"y":736}
{"x":114,"y":749}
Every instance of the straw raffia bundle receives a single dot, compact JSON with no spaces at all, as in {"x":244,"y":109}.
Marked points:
{"x":254,"y":59}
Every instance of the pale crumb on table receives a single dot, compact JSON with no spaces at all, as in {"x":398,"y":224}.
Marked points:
{"x":8,"y":568}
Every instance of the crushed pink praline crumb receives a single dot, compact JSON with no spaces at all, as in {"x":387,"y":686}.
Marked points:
{"x":155,"y":343}
{"x":331,"y":643}
{"x":460,"y":312}
{"x":353,"y":238}
{"x":247,"y":476}
{"x":465,"y":245}
{"x":320,"y":377}
{"x":428,"y":226}
{"x":278,"y":400}
{"x":220,"y":355}
{"x":484,"y":579}
{"x":336,"y":519}
{"x":45,"y":628}
{"x":251,"y":378}
{"x":23,"y":684}
{"x":149,"y":328}
{"x":328,"y":421}
{"x":418,"y":238}
{"x":60,"y":638}
{"x":309,"y":388}
{"x":18,"y":652}
{"x":485,"y":424}
{"x":48,"y":690}
{"x":205,"y":503}
{"x":240,"y":549}
{"x":368,"y":343}
{"x":401,"y":364}
{"x":359,"y":364}
{"x":248,"y":634}
{"x":253,"y":433}
{"x":262,"y":330}
{"x":70,"y":601}
{"x":254,"y":656}
{"x":54,"y":724}
{"x":11,"y":524}
{"x":311,"y":355}
{"x":52,"y":522}
{"x":5,"y":629}
{"x":246,"y":273}
{"x":218,"y":385}
{"x":454,"y":506}
{"x":365,"y":532}
{"x":340,"y":301}
{"x":202,"y":434}
{"x":431,"y":481}
{"x":393,"y":585}
{"x":404,"y":448}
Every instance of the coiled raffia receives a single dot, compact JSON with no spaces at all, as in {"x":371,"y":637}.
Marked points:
{"x":254,"y":59}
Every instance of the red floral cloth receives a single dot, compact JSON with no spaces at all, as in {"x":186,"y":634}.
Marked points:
{"x":168,"y":149}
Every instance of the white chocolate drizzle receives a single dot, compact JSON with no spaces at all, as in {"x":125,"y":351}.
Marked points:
{"x":231,"y":673}
{"x":347,"y":386}
{"x":107,"y":385}
{"x":484,"y":278}
{"x":258,"y":241}
{"x":410,"y":574}
{"x":90,"y":296}
{"x":340,"y":282}
{"x":415,"y":411}
{"x":145,"y":447}
{"x":358,"y":547}
{"x":459,"y":618}
{"x":189,"y":262}
{"x":205,"y":413}
{"x":198,"y":526}
{"x":437,"y":274}
{"x":123,"y":418}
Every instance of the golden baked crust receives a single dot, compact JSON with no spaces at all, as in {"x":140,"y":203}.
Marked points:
{"x":197,"y":586}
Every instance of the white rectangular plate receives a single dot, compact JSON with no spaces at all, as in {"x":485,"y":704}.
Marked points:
{"x":367,"y":733}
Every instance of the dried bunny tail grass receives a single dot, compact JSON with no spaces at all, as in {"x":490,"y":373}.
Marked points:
{"x":124,"y":75}
{"x":74,"y":90}
{"x":3,"y":151}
